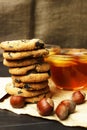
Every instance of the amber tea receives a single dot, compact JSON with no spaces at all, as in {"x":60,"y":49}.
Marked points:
{"x":68,"y":72}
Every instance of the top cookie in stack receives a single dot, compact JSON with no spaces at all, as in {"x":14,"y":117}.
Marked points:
{"x":30,"y":73}
{"x":22,"y":45}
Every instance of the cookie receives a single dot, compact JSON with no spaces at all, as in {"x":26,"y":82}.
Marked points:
{"x":21,"y":63}
{"x":22,"y":45}
{"x":21,"y":70}
{"x":10,"y":89}
{"x":42,"y":67}
{"x":24,"y":54}
{"x":32,"y":77}
{"x":31,"y":86}
{"x":38,"y":98}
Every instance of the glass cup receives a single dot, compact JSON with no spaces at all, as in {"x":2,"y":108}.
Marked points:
{"x":68,"y":72}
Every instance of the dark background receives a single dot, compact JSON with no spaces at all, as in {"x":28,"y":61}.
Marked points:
{"x":61,"y":22}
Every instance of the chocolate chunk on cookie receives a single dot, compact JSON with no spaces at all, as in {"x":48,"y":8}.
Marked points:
{"x":22,"y":45}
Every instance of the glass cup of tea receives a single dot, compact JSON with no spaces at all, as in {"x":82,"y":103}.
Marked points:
{"x":68,"y":71}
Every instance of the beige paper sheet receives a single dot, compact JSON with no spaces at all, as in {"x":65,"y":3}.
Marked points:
{"x":78,"y":118}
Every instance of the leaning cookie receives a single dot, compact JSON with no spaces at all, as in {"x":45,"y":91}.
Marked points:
{"x":21,"y":70}
{"x":21,"y":63}
{"x":32,"y":77}
{"x":42,"y":67}
{"x":38,"y":98}
{"x":24,"y":54}
{"x":22,"y":45}
{"x":31,"y":86}
{"x":10,"y":89}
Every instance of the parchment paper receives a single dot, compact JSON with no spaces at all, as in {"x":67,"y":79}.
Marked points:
{"x":78,"y":118}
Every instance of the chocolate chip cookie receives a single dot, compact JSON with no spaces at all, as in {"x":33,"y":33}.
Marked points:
{"x":22,"y":45}
{"x":35,"y":99}
{"x":32,"y":77}
{"x":24,"y":54}
{"x":21,"y":62}
{"x":31,"y":86}
{"x":42,"y":67}
{"x":10,"y":89}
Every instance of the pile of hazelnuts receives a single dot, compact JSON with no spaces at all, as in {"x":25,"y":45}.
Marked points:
{"x":45,"y":106}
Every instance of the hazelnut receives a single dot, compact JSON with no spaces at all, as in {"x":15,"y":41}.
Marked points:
{"x":62,"y":111}
{"x":45,"y":106}
{"x":70,"y":104}
{"x":17,"y":101}
{"x":78,"y":97}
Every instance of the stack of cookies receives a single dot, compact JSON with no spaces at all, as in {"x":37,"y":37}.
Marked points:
{"x":29,"y":71}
